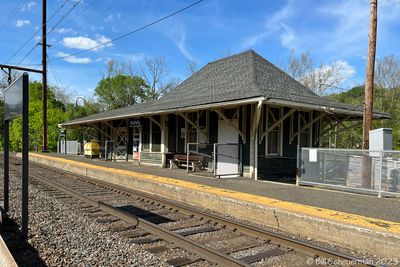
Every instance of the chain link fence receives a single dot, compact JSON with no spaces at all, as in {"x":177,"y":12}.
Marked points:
{"x":373,"y":172}
{"x":69,"y":147}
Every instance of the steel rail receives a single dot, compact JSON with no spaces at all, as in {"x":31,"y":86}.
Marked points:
{"x":298,"y":245}
{"x":194,"y":247}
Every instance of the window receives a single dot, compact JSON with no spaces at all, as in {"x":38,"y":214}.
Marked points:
{"x":274,"y":136}
{"x":305,"y":134}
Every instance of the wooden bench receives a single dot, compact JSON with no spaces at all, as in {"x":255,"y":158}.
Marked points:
{"x":195,"y":161}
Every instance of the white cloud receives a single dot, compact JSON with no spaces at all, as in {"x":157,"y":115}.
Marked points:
{"x":66,"y":31}
{"x":336,"y":73}
{"x":350,"y":20}
{"x":112,"y":17}
{"x":109,"y":18}
{"x":102,"y":39}
{"x":272,"y":24}
{"x":84,"y":43}
{"x":134,"y":57}
{"x":28,"y":6}
{"x":22,"y":22}
{"x":178,"y":36}
{"x":289,"y":38}
{"x":347,"y":70}
{"x":74,"y":59}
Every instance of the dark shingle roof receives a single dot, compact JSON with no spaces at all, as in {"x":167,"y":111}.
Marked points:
{"x":242,"y":76}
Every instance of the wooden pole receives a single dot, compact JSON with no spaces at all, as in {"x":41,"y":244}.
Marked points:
{"x":369,"y":83}
{"x":369,"y":91}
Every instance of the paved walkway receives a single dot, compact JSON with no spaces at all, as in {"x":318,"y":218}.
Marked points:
{"x":370,"y":206}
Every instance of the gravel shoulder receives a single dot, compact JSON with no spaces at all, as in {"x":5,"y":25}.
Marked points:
{"x":61,"y":235}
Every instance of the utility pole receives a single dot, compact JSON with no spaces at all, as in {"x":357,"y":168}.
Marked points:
{"x":369,"y":90}
{"x":44,"y":76}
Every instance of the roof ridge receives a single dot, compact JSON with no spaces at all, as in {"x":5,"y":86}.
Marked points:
{"x":231,"y":56}
{"x":254,"y":71}
{"x":287,"y":75}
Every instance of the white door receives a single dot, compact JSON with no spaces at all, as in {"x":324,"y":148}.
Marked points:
{"x":227,"y":155}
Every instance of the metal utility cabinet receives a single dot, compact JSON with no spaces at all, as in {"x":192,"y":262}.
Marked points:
{"x":380,"y":139}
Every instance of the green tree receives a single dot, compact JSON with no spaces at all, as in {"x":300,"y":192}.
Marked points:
{"x":120,"y":91}
{"x":355,"y":96}
{"x":56,"y":114}
{"x":120,"y":87}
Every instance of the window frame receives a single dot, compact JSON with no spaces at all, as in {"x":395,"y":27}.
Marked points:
{"x":278,"y":128}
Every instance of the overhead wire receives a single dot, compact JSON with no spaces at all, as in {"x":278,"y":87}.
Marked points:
{"x":67,"y":22}
{"x":56,"y":77}
{"x":39,"y":29}
{"x":51,"y":30}
{"x":129,"y":33}
{"x":11,"y":14}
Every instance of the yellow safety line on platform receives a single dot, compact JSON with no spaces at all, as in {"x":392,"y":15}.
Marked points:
{"x":357,"y":220}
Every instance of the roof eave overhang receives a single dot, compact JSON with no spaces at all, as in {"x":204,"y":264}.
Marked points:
{"x":328,"y":109}
{"x":288,"y":103}
{"x":174,"y":110}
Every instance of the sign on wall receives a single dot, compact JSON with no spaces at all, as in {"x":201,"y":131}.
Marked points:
{"x":134,"y":123}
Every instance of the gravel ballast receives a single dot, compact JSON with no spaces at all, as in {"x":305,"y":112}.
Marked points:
{"x":61,"y":235}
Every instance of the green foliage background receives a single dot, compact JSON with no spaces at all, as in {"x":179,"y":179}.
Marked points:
{"x":56,"y":114}
{"x":385,"y":100}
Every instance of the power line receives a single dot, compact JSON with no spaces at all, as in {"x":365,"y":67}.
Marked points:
{"x":52,"y":29}
{"x":56,"y":77}
{"x":33,"y":35}
{"x":10,"y":15}
{"x":131,"y":32}
{"x":85,"y":10}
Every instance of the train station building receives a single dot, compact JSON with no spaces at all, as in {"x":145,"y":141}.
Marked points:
{"x":241,"y":109}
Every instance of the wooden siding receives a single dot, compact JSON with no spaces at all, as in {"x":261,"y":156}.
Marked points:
{"x":274,"y":167}
{"x":172,"y":133}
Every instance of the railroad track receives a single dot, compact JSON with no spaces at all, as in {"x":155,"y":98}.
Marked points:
{"x":189,"y":236}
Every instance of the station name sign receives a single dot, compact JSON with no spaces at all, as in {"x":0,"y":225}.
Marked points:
{"x":134,"y":123}
{"x":13,"y":99}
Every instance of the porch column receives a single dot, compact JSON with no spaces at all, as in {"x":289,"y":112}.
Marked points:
{"x":164,"y":139}
{"x":255,"y":118}
{"x":252,"y":141}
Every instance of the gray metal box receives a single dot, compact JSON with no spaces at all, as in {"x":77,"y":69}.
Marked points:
{"x":380,"y":139}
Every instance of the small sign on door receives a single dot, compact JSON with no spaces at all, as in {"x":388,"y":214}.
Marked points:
{"x":313,"y":155}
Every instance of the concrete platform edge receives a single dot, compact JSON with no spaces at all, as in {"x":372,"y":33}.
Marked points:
{"x":380,"y":243}
{"x":6,"y":259}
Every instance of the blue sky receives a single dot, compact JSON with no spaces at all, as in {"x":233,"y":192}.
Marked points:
{"x":330,"y":30}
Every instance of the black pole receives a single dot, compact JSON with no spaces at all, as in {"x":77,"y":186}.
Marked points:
{"x":25,"y":151}
{"x":6,"y":164}
{"x":44,"y":77}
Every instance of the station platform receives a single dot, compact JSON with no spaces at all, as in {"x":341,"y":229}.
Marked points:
{"x":6,"y":258}
{"x":365,"y":224}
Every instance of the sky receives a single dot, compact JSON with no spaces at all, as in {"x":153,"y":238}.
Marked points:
{"x":332,"y":31}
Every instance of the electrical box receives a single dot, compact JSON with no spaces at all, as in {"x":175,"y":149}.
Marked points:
{"x":380,"y":139}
